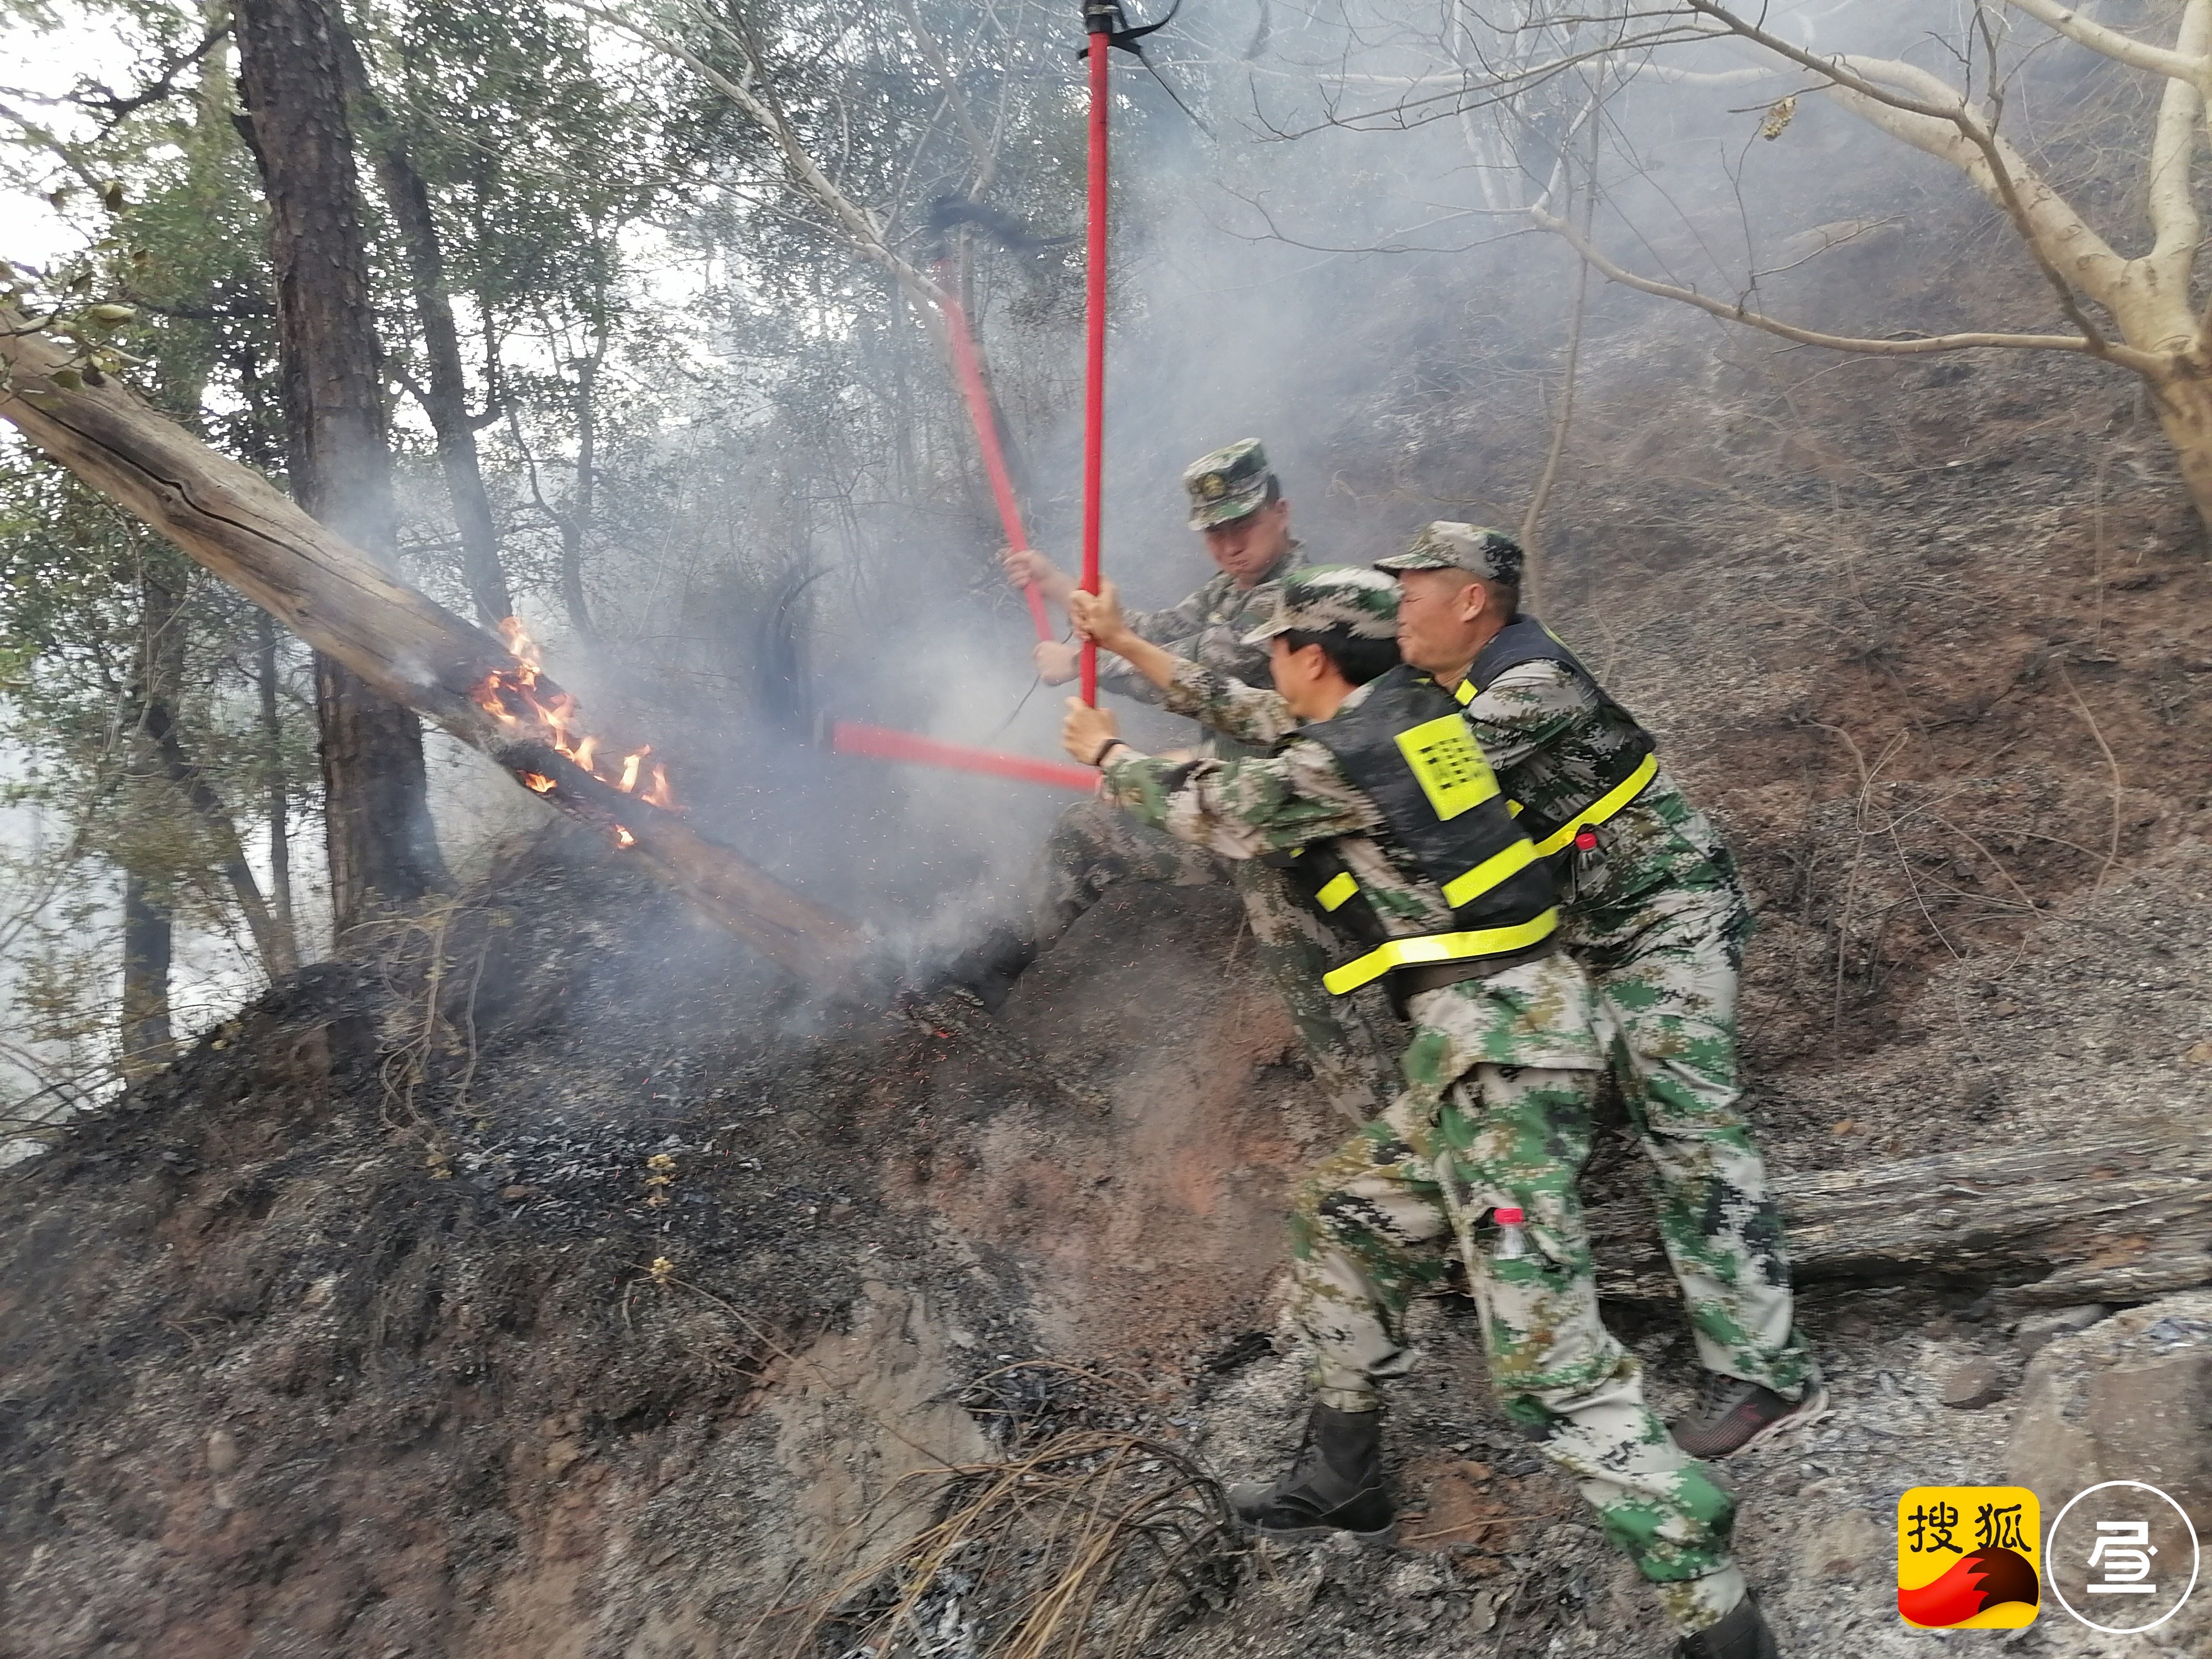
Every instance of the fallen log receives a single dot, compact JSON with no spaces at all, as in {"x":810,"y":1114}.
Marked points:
{"x":2123,"y":1217}
{"x":238,"y":525}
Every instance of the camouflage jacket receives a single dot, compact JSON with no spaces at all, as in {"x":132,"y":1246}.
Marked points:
{"x":1208,"y":627}
{"x":1536,"y":725}
{"x":1299,"y":795}
{"x":1539,"y":725}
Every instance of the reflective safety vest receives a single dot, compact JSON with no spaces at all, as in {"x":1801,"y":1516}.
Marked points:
{"x":1405,"y":746}
{"x":1633,"y":760}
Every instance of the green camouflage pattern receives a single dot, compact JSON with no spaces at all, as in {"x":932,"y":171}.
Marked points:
{"x":1499,"y":1076}
{"x":1228,"y":483}
{"x":1553,"y":744}
{"x":1092,"y":847}
{"x":1299,"y":795}
{"x":1350,"y":1042}
{"x":1208,"y":627}
{"x":1655,"y":913}
{"x":1347,"y":1041}
{"x":1446,"y":545}
{"x":1372,"y":1228}
{"x":1320,"y":597}
{"x":1660,"y":920}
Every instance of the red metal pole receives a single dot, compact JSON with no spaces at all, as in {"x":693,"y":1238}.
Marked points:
{"x":1098,"y":22}
{"x":969,"y":373}
{"x":882,"y":742}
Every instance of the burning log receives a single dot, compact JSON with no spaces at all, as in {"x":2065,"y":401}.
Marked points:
{"x":239,"y":526}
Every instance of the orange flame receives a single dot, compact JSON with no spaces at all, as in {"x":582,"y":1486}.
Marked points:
{"x":515,"y":699}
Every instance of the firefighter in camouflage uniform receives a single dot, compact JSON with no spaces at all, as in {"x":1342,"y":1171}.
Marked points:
{"x":1238,"y":505}
{"x":1385,"y":818}
{"x":1650,"y":906}
{"x":1653,"y":908}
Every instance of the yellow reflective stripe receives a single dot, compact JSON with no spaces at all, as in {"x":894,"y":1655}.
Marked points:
{"x":1438,"y":947}
{"x":1608,"y":803}
{"x":1333,"y":894}
{"x":1484,"y":877}
{"x":1464,"y":691}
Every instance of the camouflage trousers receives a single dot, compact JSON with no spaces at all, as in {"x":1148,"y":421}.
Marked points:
{"x":1371,"y":1229}
{"x":1348,"y":1040}
{"x":1665,"y":965}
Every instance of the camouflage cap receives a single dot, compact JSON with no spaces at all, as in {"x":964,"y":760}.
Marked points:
{"x":1316,"y":597}
{"x":1446,"y":545}
{"x":1229,"y":485}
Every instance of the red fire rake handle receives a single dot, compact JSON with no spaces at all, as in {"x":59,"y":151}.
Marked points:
{"x":1100,"y":19}
{"x":882,"y":743}
{"x":968,"y":370}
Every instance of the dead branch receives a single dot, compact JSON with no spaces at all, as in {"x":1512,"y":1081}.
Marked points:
{"x":2142,"y":361}
{"x":1947,"y":128}
{"x":852,"y":222}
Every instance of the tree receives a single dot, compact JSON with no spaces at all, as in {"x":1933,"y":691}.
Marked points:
{"x":444,"y":394}
{"x":2139,"y":312}
{"x":383,"y":847}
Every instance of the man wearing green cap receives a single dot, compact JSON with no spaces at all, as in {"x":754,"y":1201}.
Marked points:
{"x":1651,"y":907}
{"x":1656,"y":912}
{"x":1389,"y":824}
{"x":1236,"y":504}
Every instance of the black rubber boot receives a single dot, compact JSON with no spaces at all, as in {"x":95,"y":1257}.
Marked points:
{"x":1743,"y":1635}
{"x":1335,"y":1484}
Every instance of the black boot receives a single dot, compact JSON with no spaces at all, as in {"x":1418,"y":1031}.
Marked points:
{"x":1743,"y":1635}
{"x":1335,"y":1484}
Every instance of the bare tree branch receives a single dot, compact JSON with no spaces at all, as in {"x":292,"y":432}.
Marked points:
{"x":2050,"y":227}
{"x":2180,"y":63}
{"x":855,"y":223}
{"x":2171,"y":203}
{"x":2140,"y":361}
{"x":985,"y":152}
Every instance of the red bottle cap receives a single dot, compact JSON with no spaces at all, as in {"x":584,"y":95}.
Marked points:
{"x":1585,"y":838}
{"x":1507,"y":1218}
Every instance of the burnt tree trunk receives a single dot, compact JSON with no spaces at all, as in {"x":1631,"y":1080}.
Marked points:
{"x":576,"y":522}
{"x":148,"y":1039}
{"x":272,"y":942}
{"x":383,"y":847}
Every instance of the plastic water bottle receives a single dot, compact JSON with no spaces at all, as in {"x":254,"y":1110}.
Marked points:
{"x":1512,"y":1243}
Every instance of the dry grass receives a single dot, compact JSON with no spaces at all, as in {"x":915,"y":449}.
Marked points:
{"x":1089,"y":1543}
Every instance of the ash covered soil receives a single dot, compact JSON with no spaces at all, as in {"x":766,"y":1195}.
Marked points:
{"x":373,"y":1326}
